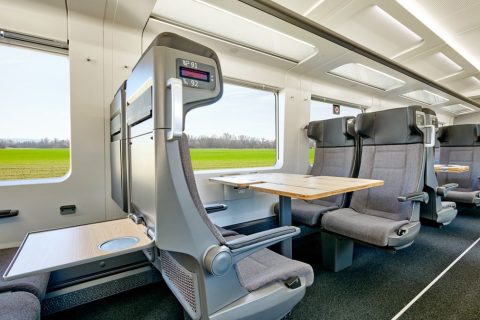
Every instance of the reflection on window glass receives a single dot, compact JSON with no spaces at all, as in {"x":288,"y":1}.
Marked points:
{"x":35,"y":114}
{"x":238,"y":131}
{"x":323,"y":110}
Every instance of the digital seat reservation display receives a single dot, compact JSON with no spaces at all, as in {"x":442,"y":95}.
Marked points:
{"x":194,"y":74}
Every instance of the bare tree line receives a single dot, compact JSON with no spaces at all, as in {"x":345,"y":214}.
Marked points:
{"x":230,"y":141}
{"x":44,"y":143}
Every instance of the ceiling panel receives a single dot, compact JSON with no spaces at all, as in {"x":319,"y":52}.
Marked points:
{"x":374,"y":28}
{"x":465,"y":85}
{"x":435,"y":66}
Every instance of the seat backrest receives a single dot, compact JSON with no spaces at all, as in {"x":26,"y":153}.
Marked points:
{"x":335,"y":152}
{"x":393,"y":151}
{"x":460,"y":144}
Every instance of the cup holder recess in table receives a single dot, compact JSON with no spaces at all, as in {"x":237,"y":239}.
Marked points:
{"x":118,"y":243}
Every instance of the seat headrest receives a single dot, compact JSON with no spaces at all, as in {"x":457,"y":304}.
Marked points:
{"x":337,"y":132}
{"x":388,"y":127}
{"x":459,"y":135}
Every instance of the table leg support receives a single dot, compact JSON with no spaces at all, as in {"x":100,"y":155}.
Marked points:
{"x":285,"y":219}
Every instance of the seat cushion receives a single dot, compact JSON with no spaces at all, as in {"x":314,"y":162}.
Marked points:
{"x":36,"y":284}
{"x":470,"y":197}
{"x":307,"y":213}
{"x":19,"y":305}
{"x":370,"y":229}
{"x":265,"y":267}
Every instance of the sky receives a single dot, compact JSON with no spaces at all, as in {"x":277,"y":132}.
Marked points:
{"x":34,"y":94}
{"x":240,"y":111}
{"x":247,"y":111}
{"x":35,"y":102}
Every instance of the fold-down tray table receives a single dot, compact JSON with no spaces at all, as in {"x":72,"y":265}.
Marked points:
{"x":51,"y":250}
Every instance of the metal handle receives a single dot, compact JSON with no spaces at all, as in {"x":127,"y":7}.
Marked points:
{"x":432,"y":136}
{"x":8,"y":213}
{"x":176,"y":121}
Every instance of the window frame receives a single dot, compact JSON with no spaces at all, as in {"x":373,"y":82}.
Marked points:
{"x":45,"y":46}
{"x":278,"y":163}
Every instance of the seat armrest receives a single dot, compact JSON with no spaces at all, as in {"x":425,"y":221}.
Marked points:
{"x":245,"y":246}
{"x":414,"y":196}
{"x":215,"y":207}
{"x":443,"y":190}
{"x":218,"y":260}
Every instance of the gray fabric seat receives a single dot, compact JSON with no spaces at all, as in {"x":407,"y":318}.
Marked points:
{"x":370,"y":229}
{"x":36,"y":284}
{"x":393,"y":151}
{"x":259,"y":269}
{"x":19,"y":305}
{"x":335,"y":155}
{"x":308,"y":212}
{"x":265,"y":267}
{"x":460,"y":144}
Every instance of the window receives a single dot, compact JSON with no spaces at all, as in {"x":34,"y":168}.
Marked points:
{"x":238,"y":131}
{"x":34,"y":114}
{"x":320,"y":110}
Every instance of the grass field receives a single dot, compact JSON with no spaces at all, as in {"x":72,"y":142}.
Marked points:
{"x":17,"y":164}
{"x":203,"y":159}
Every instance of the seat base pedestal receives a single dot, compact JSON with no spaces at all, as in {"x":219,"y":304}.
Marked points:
{"x":337,"y":253}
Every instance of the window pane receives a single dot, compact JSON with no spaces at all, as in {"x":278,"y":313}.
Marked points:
{"x":34,"y":114}
{"x":238,"y":131}
{"x":321,"y":111}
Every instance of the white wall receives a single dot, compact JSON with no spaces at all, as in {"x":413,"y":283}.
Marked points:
{"x":471,"y":118}
{"x":105,"y":33}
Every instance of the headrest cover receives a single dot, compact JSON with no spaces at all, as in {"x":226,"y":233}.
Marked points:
{"x":461,"y":135}
{"x":393,"y":126}
{"x":335,"y":132}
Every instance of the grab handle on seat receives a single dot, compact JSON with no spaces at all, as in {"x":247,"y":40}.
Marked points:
{"x":432,"y":136}
{"x":176,"y":121}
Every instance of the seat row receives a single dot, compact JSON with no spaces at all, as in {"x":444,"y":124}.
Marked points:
{"x":396,"y":146}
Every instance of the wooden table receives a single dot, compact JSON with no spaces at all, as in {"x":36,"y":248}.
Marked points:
{"x":288,"y":186}
{"x":51,"y":250}
{"x":451,"y":168}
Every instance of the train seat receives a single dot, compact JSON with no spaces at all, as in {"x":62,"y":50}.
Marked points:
{"x":393,"y":150}
{"x":20,"y":298}
{"x":335,"y":155}
{"x":460,"y":144}
{"x":19,"y":305}
{"x":271,"y":284}
{"x":35,"y":285}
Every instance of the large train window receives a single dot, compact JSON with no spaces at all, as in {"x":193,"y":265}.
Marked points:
{"x":322,"y":109}
{"x":34,"y":114}
{"x":238,"y":131}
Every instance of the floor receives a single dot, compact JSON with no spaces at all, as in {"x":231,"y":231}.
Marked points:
{"x":377,"y":286}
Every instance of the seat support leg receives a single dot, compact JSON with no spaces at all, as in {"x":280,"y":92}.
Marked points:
{"x":337,"y":253}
